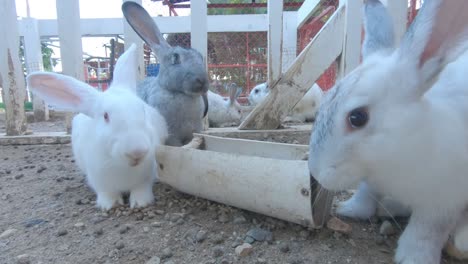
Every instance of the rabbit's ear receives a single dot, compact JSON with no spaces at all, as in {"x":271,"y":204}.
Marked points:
{"x":438,"y":35}
{"x":63,"y":91}
{"x":378,"y":27}
{"x":145,"y":27}
{"x":125,"y":73}
{"x":232,"y":93}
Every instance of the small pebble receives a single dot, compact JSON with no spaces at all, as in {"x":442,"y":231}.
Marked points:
{"x":62,"y":232}
{"x":387,"y":229}
{"x":156,"y":224}
{"x":218,"y":251}
{"x":239,"y":220}
{"x":154,"y":260}
{"x":223,"y":218}
{"x":8,"y":233}
{"x":19,"y":176}
{"x":119,"y":245}
{"x":338,"y":225}
{"x":244,"y":250}
{"x":201,"y":236}
{"x":41,"y":169}
{"x":146,"y":229}
{"x":166,"y":253}
{"x":380,"y":240}
{"x":284,"y":247}
{"x":260,"y":234}
{"x":261,"y":261}
{"x":98,"y":232}
{"x":80,"y":225}
{"x":23,"y":259}
{"x":124,"y":229}
{"x":218,"y":239}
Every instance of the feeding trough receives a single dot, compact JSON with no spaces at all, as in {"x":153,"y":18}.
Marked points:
{"x":264,"y":177}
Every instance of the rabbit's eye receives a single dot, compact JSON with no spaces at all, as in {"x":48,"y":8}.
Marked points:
{"x":358,"y":117}
{"x":106,"y":117}
{"x":256,"y":91}
{"x":175,"y":58}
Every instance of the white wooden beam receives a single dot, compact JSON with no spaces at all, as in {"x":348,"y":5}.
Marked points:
{"x":131,"y":37}
{"x":179,"y":24}
{"x":11,"y":71}
{"x":199,"y":27}
{"x":306,"y":69}
{"x":289,"y":39}
{"x":305,"y":11}
{"x":275,"y":39}
{"x":398,"y":9}
{"x":71,"y":51}
{"x":33,"y":57}
{"x":350,"y":58}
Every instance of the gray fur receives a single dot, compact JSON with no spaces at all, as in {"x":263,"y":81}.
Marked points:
{"x":378,"y":26}
{"x":181,"y":84}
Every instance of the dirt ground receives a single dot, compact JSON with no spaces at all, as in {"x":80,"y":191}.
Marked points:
{"x":48,"y":215}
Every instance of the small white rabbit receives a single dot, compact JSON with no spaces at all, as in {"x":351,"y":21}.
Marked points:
{"x":224,"y":112}
{"x":399,"y":122}
{"x":304,"y":111}
{"x":115,"y":136}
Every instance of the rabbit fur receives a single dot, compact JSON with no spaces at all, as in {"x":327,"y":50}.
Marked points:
{"x":225,"y":112}
{"x":179,"y":90}
{"x":398,"y":122}
{"x":116,"y":134}
{"x":304,"y":111}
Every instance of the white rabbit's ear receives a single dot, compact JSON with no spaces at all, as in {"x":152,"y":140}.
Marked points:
{"x":125,"y":72}
{"x":378,"y":27}
{"x":63,"y":91}
{"x":437,"y":36}
{"x":145,"y":27}
{"x":232,"y":93}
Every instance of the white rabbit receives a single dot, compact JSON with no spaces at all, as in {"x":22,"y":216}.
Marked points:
{"x":225,"y":112}
{"x":399,"y":123}
{"x":304,"y":111}
{"x":115,"y":136}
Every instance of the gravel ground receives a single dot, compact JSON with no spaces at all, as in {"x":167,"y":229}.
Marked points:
{"x":48,"y":215}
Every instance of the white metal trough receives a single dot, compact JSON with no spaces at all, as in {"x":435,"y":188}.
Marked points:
{"x":263,"y":177}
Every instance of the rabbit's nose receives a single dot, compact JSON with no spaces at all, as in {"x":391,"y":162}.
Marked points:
{"x":136,"y":155}
{"x":199,"y":84}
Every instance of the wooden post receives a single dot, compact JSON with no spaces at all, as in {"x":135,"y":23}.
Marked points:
{"x":71,"y":51}
{"x":398,"y":9}
{"x":275,"y":40}
{"x":289,"y":39}
{"x":199,"y":34}
{"x":350,"y":58}
{"x":302,"y":74}
{"x":131,"y":37}
{"x":33,"y":55}
{"x":11,"y":72}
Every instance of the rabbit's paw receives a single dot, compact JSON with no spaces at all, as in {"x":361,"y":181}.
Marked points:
{"x":105,"y":200}
{"x":141,"y":197}
{"x":410,"y":251}
{"x":358,"y":206}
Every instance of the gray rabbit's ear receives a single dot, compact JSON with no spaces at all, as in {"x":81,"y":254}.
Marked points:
{"x":145,"y":27}
{"x":378,"y":26}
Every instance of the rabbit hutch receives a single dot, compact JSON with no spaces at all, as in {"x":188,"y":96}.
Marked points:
{"x":247,"y":166}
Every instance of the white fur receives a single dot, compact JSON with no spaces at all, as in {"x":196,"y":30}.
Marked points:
{"x":224,"y":112}
{"x":414,"y":147}
{"x":305,"y":110}
{"x":116,"y":155}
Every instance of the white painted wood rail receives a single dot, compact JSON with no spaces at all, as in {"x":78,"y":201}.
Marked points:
{"x":275,"y":39}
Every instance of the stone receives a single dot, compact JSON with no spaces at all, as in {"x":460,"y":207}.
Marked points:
{"x":339,"y":226}
{"x":244,"y":250}
{"x":153,"y":260}
{"x":8,"y":233}
{"x":260,"y":234}
{"x":387,"y":229}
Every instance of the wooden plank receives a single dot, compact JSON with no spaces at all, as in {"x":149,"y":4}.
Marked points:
{"x":289,"y":39}
{"x":350,"y":58}
{"x":306,"y":69}
{"x":179,"y":24}
{"x":11,"y":72}
{"x":255,"y":148}
{"x":275,"y":39}
{"x":199,"y":28}
{"x":33,"y":58}
{"x":68,"y":19}
{"x":305,"y":11}
{"x":130,"y":37}
{"x":398,"y":9}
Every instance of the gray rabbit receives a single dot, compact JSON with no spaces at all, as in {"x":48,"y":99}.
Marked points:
{"x":179,"y":91}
